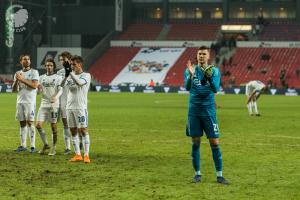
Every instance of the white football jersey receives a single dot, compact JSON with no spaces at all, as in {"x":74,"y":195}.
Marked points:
{"x":254,"y":85}
{"x":50,"y":85}
{"x":64,"y":96}
{"x":27,"y":94}
{"x":77,"y":96}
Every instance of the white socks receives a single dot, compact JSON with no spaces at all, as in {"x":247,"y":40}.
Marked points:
{"x":76,"y":144}
{"x":85,"y":141}
{"x":23,"y":136}
{"x":31,"y":133}
{"x":67,"y":138}
{"x":43,"y":135}
{"x":249,"y":106}
{"x":31,"y":130}
{"x":252,"y":107}
{"x":86,"y":144}
{"x":255,"y":107}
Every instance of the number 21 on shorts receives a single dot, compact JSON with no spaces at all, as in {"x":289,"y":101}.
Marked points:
{"x":216,"y":128}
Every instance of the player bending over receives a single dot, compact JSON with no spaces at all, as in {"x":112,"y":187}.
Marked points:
{"x":253,"y":91}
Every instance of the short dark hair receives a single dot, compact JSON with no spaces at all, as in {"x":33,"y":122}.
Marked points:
{"x":23,"y":55}
{"x":66,"y":54}
{"x":77,"y":59}
{"x":52,"y":61}
{"x":204,"y":48}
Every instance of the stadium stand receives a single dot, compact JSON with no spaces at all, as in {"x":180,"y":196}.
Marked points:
{"x":280,"y":31}
{"x":141,"y":31}
{"x":280,"y":58}
{"x":111,"y":63}
{"x":193,"y":32}
{"x":7,"y":79}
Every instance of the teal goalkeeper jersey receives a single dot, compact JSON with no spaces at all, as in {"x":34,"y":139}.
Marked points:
{"x":202,"y":100}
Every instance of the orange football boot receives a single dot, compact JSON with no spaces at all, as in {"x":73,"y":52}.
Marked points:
{"x":76,"y":158}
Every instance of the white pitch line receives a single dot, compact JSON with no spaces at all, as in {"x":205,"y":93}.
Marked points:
{"x":184,"y":141}
{"x":285,"y":136}
{"x":156,"y":130}
{"x":114,"y":129}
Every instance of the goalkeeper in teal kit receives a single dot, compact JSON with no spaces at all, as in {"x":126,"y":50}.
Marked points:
{"x":203,"y":80}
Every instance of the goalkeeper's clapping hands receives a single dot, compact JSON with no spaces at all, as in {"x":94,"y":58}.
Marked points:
{"x":191,"y":68}
{"x":208,"y":72}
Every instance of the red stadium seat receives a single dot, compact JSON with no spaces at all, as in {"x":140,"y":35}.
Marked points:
{"x":281,"y":58}
{"x":141,"y":32}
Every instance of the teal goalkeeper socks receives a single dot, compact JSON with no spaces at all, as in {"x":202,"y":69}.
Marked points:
{"x":196,"y":156}
{"x":216,"y":153}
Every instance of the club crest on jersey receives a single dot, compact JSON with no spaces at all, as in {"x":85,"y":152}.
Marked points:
{"x":50,"y":84}
{"x":197,"y":82}
{"x":70,"y":82}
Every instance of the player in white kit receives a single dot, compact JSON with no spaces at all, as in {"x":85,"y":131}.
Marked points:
{"x":25,"y":83}
{"x":65,"y":57}
{"x":253,"y":91}
{"x":77,"y":114}
{"x":50,"y":87}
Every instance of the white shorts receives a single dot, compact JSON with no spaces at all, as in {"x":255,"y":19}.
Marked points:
{"x":48,"y":115}
{"x":249,"y":92}
{"x":77,"y":118}
{"x":63,"y":111}
{"x":25,"y":111}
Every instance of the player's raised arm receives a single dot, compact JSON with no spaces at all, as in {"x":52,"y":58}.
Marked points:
{"x":30,"y":83}
{"x":214,"y":78}
{"x":188,"y":74}
{"x":79,"y":81}
{"x":191,"y":68}
{"x":68,"y":70}
{"x":63,"y":83}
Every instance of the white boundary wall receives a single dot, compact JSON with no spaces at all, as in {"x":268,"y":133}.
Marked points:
{"x":254,"y":44}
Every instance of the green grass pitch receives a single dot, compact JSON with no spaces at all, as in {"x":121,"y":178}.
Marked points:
{"x":139,"y":151}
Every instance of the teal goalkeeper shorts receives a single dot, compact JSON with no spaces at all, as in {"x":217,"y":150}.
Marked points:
{"x":197,"y":124}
